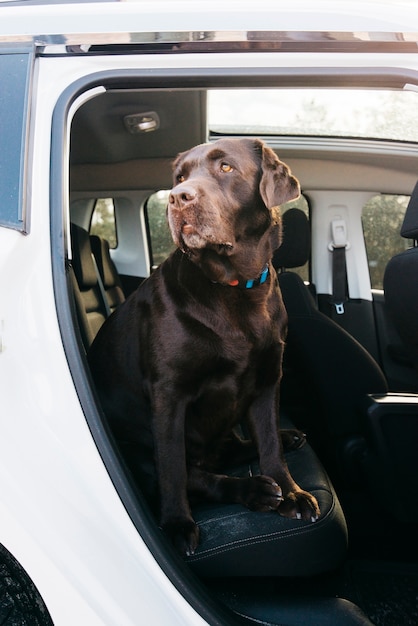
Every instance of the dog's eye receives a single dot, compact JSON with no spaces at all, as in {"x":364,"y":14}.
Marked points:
{"x":180,"y":178}
{"x":225,"y":167}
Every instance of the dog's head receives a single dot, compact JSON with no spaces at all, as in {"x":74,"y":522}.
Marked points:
{"x":223,"y":208}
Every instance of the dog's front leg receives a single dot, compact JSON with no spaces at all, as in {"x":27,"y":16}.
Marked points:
{"x":264,"y":424}
{"x":170,"y":455}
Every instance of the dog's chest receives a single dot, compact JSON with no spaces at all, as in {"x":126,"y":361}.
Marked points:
{"x":227,"y":372}
{"x":230,"y":346}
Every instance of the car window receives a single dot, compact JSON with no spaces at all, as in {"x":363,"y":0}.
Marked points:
{"x":14,"y":72}
{"x":382,"y":219}
{"x":103,"y":221}
{"x":161,"y":243}
{"x":315,"y":112}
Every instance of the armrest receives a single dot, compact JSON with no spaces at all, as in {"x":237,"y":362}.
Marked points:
{"x":392,"y":463}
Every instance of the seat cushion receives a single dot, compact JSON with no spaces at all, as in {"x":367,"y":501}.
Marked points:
{"x":238,"y":542}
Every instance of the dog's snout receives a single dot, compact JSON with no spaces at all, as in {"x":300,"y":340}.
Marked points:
{"x":181,"y":196}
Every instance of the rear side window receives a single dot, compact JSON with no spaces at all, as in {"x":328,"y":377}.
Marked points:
{"x":382,"y":219}
{"x":14,"y":78}
{"x":161,"y":243}
{"x":103,"y":221}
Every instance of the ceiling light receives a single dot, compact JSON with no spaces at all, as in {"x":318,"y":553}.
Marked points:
{"x":141,"y":122}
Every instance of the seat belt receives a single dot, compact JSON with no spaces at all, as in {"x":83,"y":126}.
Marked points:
{"x":338,"y":246}
{"x":101,"y":287}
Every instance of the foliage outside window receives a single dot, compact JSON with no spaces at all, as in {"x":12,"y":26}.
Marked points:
{"x":320,"y":112}
{"x":103,"y":222}
{"x":382,"y":219}
{"x":160,"y":237}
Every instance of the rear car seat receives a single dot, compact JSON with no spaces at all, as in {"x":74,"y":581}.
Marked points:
{"x":234,"y":540}
{"x":108,"y":273}
{"x":96,"y":283}
{"x":331,"y":370}
{"x":90,"y":304}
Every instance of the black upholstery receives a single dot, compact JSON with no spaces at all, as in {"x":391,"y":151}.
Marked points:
{"x":296,"y":246}
{"x":400,"y":284}
{"x":238,"y":542}
{"x":409,"y":228}
{"x":331,"y":370}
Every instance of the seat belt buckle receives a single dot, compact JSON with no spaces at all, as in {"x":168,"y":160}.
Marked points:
{"x":339,"y":308}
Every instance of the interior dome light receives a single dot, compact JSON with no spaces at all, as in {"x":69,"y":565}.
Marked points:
{"x":141,"y":122}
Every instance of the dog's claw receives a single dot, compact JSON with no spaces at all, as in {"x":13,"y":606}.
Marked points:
{"x":300,"y":505}
{"x":184,"y":535}
{"x":292,"y":439}
{"x":260,"y":493}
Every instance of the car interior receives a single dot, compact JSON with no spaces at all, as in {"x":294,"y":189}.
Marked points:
{"x":347,"y":272}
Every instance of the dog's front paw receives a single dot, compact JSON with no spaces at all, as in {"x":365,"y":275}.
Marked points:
{"x":184,"y":535}
{"x":261,"y":493}
{"x":299,"y":504}
{"x":292,"y":439}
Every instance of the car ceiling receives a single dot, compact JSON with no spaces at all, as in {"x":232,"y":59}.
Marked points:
{"x":104,"y":155}
{"x":99,"y":134}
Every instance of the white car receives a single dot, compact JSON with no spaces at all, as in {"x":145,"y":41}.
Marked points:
{"x":96,"y":100}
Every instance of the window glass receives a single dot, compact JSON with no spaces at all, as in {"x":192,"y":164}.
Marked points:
{"x":103,"y":222}
{"x":14,"y":72}
{"x":382,"y":219}
{"x":161,"y":242}
{"x":362,"y":113}
{"x":160,"y":237}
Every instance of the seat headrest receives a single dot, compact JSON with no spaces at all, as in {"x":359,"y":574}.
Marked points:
{"x":296,"y":246}
{"x":83,"y":264}
{"x":409,"y":228}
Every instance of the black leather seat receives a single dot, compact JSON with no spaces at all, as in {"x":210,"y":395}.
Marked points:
{"x":324,"y":365}
{"x":237,"y":542}
{"x":400,"y":283}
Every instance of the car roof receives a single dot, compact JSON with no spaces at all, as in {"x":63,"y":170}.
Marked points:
{"x":301,"y":20}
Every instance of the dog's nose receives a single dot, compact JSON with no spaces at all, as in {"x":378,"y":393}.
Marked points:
{"x":182,"y":196}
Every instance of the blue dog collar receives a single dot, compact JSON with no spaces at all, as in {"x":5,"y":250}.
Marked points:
{"x":248,"y":284}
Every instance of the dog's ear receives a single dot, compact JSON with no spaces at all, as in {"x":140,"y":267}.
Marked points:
{"x":277,"y":185}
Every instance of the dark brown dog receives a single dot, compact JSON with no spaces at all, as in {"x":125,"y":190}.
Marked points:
{"x":197,"y":349}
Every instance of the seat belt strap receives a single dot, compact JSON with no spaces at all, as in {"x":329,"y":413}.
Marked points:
{"x":338,"y":246}
{"x":101,"y":288}
{"x":339,"y":280}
